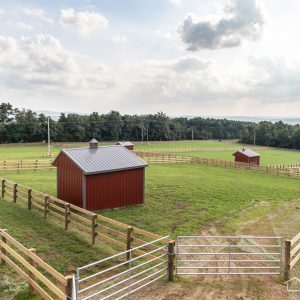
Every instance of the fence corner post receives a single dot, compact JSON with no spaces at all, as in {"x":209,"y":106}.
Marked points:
{"x":3,"y":251}
{"x":15,"y":192}
{"x":171,"y":259}
{"x":68,"y":287}
{"x":2,"y":188}
{"x":29,"y":198}
{"x":30,"y":274}
{"x":94,"y":226}
{"x":287,"y":259}
{"x":129,"y":240}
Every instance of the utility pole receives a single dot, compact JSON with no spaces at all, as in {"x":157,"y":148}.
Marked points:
{"x":142,"y":132}
{"x":192,"y":133}
{"x":254,"y":136}
{"x":147,"y":135}
{"x":49,"y":139}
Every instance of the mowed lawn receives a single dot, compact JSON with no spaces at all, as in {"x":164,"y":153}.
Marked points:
{"x":183,"y":199}
{"x":272,"y":156}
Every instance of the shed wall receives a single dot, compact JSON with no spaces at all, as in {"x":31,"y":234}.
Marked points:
{"x":240,"y":157}
{"x":69,"y":180}
{"x":115,"y":189}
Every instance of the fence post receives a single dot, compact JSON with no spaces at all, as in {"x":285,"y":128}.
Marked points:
{"x":30,"y":274}
{"x":3,"y":251}
{"x":46,"y":206}
{"x":94,"y":226}
{"x":15,"y":192}
{"x":171,"y":257}
{"x":287,"y":259}
{"x":3,"y":188}
{"x":67,"y":214}
{"x":68,"y":287}
{"x":29,"y":198}
{"x":129,"y":240}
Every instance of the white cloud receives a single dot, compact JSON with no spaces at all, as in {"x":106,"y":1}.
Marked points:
{"x":239,"y":20}
{"x":38,"y":61}
{"x":38,"y":13}
{"x":86,"y":23}
{"x":175,"y":2}
{"x":24,"y":26}
{"x":119,"y":38}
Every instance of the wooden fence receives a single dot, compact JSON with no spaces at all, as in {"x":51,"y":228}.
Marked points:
{"x":160,"y":158}
{"x":22,"y":165}
{"x":292,"y":254}
{"x":96,"y":226}
{"x":49,"y":155}
{"x":49,"y":283}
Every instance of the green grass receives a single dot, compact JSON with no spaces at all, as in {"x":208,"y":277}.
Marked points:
{"x":272,"y":156}
{"x":183,"y":199}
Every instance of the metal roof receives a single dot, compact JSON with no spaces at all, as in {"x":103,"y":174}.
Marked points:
{"x":248,"y":152}
{"x":104,"y":159}
{"x":93,"y":141}
{"x":125,"y":143}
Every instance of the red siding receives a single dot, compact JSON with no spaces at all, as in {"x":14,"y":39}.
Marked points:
{"x":69,"y":180}
{"x":240,"y":157}
{"x":129,"y":147}
{"x":115,"y":189}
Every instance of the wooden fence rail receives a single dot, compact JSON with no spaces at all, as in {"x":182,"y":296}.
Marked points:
{"x":291,"y":170}
{"x":292,"y":254}
{"x":96,"y":226}
{"x":11,"y":165}
{"x":50,"y":284}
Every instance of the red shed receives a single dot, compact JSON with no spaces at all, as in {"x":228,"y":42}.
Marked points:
{"x":126,"y":144}
{"x":100,"y":177}
{"x":247,"y":156}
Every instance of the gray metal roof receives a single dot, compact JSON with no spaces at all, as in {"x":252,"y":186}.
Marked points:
{"x":125,"y":143}
{"x":104,"y":159}
{"x":248,"y":152}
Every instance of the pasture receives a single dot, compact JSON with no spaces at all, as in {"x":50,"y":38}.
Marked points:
{"x":180,"y":199}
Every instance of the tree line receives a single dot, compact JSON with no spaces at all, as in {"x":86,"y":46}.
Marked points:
{"x":24,"y":125}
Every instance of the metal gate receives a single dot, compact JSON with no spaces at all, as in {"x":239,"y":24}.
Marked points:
{"x":228,"y":255}
{"x":120,"y":275}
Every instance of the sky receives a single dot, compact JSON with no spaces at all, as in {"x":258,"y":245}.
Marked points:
{"x":182,"y":57}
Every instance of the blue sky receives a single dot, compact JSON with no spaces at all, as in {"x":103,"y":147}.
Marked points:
{"x":183,"y":57}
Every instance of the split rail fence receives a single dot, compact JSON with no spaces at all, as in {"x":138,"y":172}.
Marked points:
{"x":155,"y":158}
{"x":292,"y":254}
{"x":96,"y":226}
{"x":40,"y":276}
{"x":34,"y":165}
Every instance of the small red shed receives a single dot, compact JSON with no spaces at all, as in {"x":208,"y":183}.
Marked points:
{"x":100,"y":177}
{"x":126,"y":144}
{"x":247,"y":156}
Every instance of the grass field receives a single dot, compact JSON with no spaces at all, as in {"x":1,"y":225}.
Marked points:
{"x":180,"y":199}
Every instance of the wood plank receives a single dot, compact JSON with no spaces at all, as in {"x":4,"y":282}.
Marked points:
{"x":34,"y":271}
{"x":38,"y":206}
{"x":54,"y":206}
{"x":35,"y":258}
{"x":53,"y":213}
{"x":85,"y":220}
{"x":79,"y":225}
{"x":112,"y":231}
{"x":82,"y":210}
{"x":102,"y":236}
{"x":294,"y":251}
{"x":38,"y":288}
{"x":295,"y":260}
{"x":295,"y":239}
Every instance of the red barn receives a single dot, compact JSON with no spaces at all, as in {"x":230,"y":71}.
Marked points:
{"x":126,"y":144}
{"x":247,"y":156}
{"x":100,"y":177}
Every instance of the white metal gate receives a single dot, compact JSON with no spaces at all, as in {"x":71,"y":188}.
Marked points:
{"x":120,"y":275}
{"x":228,"y":255}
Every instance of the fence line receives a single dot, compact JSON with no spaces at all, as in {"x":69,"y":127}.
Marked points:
{"x":292,"y":254}
{"x":155,"y":158}
{"x":26,"y":263}
{"x":13,"y":165}
{"x":96,"y":226}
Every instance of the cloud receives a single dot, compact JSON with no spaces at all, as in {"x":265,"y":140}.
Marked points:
{"x":175,"y":2}
{"x":38,"y":61}
{"x":86,"y":23}
{"x":24,"y":26}
{"x":38,"y":13}
{"x":238,"y":20}
{"x":119,"y":38}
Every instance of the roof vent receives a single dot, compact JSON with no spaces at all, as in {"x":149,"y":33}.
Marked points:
{"x":244,"y":149}
{"x":93,"y":144}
